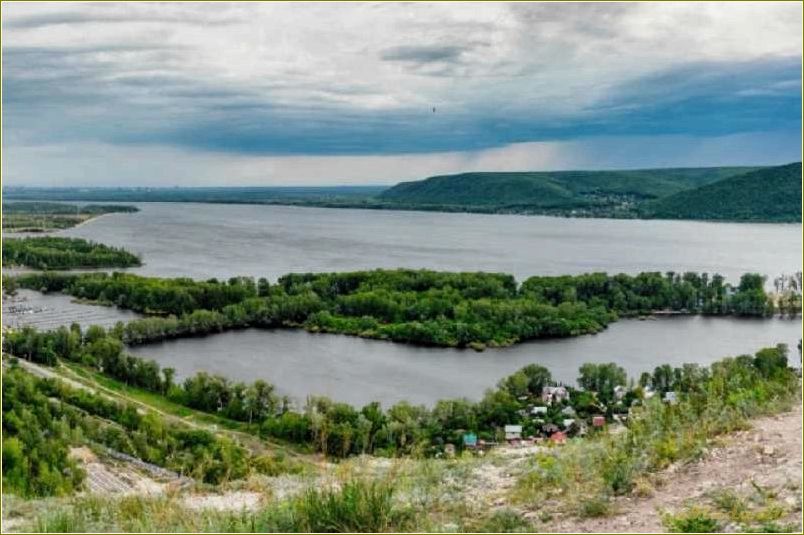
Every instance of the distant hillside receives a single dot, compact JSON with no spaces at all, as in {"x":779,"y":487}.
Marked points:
{"x":554,"y":190}
{"x":769,"y":194}
{"x":718,"y":193}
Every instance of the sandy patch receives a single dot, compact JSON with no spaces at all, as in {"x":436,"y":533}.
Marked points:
{"x":231,"y":501}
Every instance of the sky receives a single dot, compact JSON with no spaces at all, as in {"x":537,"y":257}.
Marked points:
{"x":186,"y":94}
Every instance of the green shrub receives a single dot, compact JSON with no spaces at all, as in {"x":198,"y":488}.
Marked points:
{"x":774,"y":527}
{"x":693,"y":520}
{"x":502,"y":521}
{"x":276,"y":464}
{"x":594,"y":507}
{"x":358,"y":506}
{"x":727,"y":501}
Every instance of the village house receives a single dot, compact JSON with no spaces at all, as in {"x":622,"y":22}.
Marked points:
{"x":537,"y":410}
{"x":554,"y":394}
{"x":598,"y":421}
{"x":558,"y":437}
{"x":513,"y":433}
{"x":619,"y":392}
{"x":567,"y":422}
{"x":671,"y":398}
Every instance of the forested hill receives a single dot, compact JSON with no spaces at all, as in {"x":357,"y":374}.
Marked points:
{"x":718,"y":193}
{"x":555,"y":190}
{"x":769,"y":194}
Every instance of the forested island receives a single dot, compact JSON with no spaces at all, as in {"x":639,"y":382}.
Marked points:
{"x":417,"y":306}
{"x":759,"y":194}
{"x":48,"y":253}
{"x":46,"y":216}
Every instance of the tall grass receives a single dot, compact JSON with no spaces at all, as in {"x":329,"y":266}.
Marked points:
{"x":358,"y":506}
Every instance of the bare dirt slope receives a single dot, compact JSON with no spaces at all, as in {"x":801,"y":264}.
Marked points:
{"x":764,"y":459}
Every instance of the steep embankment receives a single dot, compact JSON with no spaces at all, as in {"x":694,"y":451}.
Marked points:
{"x":770,"y":194}
{"x":754,"y":479}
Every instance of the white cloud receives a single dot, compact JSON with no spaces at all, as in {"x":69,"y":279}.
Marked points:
{"x":337,"y":53}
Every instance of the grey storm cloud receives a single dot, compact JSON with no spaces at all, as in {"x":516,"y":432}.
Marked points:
{"x":423,"y":54}
{"x":109,"y":13}
{"x":310,"y":79}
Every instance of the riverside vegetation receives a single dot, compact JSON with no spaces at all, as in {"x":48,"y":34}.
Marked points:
{"x":339,"y":429}
{"x":46,"y":216}
{"x":416,"y":306}
{"x":580,"y":478}
{"x":64,"y":253}
{"x":492,"y":308}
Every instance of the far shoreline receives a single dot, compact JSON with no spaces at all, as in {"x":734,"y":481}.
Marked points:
{"x":390,"y":208}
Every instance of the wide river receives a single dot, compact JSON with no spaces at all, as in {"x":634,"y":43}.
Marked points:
{"x":217,"y":240}
{"x":207,"y":240}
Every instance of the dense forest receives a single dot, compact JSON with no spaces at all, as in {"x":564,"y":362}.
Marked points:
{"x":721,"y":193}
{"x":416,"y":306}
{"x":770,"y":194}
{"x":561,"y":189}
{"x":64,"y":253}
{"x":44,"y":216}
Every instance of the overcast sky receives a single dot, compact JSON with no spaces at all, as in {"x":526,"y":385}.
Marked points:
{"x":327,"y":93}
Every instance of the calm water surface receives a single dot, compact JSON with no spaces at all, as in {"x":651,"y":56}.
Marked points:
{"x":357,"y":371}
{"x":208,"y":240}
{"x":50,"y":311}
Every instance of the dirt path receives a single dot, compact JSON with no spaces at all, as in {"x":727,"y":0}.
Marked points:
{"x":768,"y":456}
{"x":48,"y":373}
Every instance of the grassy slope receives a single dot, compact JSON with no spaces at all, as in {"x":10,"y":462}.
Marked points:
{"x":552,"y":189}
{"x":555,"y":490}
{"x":114,"y":389}
{"x":770,"y":194}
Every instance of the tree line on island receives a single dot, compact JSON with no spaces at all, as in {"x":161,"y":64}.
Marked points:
{"x":48,"y":252}
{"x":46,"y":216}
{"x":417,"y":306}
